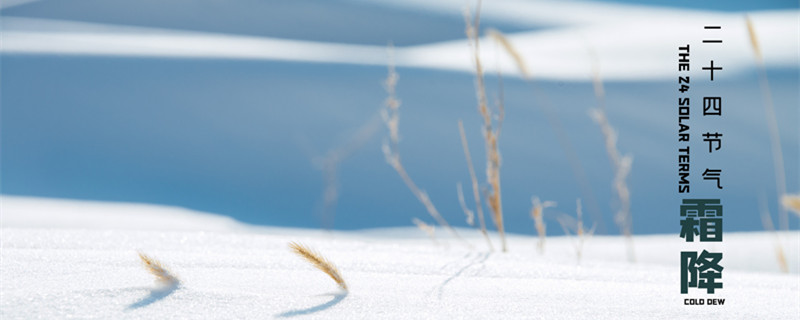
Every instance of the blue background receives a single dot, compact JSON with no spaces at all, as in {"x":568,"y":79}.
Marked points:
{"x":240,"y":138}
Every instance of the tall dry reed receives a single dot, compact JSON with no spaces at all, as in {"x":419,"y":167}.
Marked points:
{"x":772,"y":123}
{"x":490,"y":134}
{"x":766,"y":221}
{"x":475,"y":192}
{"x":621,"y":164}
{"x":391,"y":117}
{"x":553,"y":120}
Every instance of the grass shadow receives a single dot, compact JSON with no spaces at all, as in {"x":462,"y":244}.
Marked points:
{"x":156,"y":294}
{"x":478,"y":260}
{"x":337,"y":297}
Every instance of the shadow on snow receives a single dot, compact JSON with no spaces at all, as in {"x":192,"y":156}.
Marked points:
{"x":337,"y":297}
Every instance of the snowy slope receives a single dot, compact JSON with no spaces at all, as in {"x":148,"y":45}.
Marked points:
{"x":60,"y":260}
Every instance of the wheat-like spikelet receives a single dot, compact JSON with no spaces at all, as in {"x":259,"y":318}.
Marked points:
{"x":163,"y":276}
{"x":792,"y":202}
{"x":772,"y":125}
{"x":490,"y":135}
{"x":537,"y":214}
{"x":500,"y":38}
{"x":319,"y":262}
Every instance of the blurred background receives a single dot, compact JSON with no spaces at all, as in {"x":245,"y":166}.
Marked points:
{"x":269,"y":111}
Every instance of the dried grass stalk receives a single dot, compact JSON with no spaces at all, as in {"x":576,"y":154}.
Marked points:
{"x":391,"y":117}
{"x":620,"y":163}
{"x":766,"y":220}
{"x":490,"y":135}
{"x":467,"y":211}
{"x":319,"y":262}
{"x":791,"y":202}
{"x":500,"y":38}
{"x":157,"y":269}
{"x":772,"y":124}
{"x":568,"y":223}
{"x":555,"y":124}
{"x":428,"y":229}
{"x":751,"y":32}
{"x":329,"y":165}
{"x":474,"y":178}
{"x":622,"y":167}
{"x":781,"y":257}
{"x":537,"y":214}
{"x":597,"y":81}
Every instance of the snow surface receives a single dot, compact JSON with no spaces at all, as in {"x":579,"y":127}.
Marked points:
{"x":74,"y":259}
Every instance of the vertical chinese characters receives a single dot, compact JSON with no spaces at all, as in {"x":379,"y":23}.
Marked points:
{"x":701,"y":220}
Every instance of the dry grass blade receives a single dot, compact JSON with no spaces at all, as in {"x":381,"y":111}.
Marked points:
{"x":751,"y":31}
{"x":537,"y":214}
{"x":500,"y":38}
{"x":493,"y":199}
{"x":766,"y":220}
{"x":772,"y":125}
{"x":319,"y":262}
{"x":620,"y":163}
{"x":163,"y":276}
{"x":467,"y":211}
{"x":568,"y":223}
{"x":555,"y":123}
{"x":792,"y":202}
{"x":428,"y":229}
{"x":622,"y":167}
{"x":391,"y":117}
{"x":329,"y":165}
{"x":597,"y":81}
{"x":474,"y":178}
